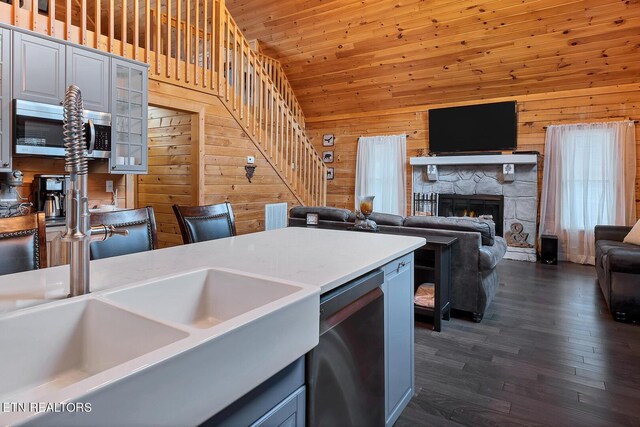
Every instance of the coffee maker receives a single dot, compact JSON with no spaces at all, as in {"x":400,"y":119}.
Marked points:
{"x":48,"y":196}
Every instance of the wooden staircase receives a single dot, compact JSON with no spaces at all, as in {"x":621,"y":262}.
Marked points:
{"x":194,"y":44}
{"x":270,"y":114}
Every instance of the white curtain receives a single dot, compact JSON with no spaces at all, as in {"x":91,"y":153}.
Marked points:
{"x":589,"y":179}
{"x":381,"y":172}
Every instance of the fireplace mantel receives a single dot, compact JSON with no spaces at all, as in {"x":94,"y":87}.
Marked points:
{"x":516,"y":159}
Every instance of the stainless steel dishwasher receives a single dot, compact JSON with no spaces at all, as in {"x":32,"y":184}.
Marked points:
{"x":345,"y":371}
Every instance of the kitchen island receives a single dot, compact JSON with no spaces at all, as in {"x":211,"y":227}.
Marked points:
{"x":243,"y":351}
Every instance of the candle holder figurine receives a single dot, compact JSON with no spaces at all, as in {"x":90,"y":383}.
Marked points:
{"x":362,"y":215}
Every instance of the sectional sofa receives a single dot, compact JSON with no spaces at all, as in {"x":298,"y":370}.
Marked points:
{"x":475,"y":255}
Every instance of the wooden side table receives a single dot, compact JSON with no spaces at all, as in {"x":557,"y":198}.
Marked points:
{"x":433,"y":260}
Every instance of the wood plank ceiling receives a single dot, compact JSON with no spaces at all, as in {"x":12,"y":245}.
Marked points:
{"x":348,"y":56}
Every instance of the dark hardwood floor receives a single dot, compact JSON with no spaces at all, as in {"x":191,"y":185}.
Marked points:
{"x":547,"y":353}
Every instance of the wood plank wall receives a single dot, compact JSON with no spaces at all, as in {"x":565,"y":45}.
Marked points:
{"x":223,"y":148}
{"x":226,"y":150}
{"x":535,"y":112}
{"x":31,"y":166}
{"x":169,"y":178}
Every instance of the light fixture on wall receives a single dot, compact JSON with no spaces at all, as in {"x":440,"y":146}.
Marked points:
{"x":250,"y":167}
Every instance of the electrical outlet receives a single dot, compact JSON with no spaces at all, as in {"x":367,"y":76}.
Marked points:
{"x":109,"y":187}
{"x":251,"y":160}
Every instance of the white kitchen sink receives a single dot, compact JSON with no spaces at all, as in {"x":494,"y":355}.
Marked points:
{"x":206,"y":336}
{"x":49,"y":348}
{"x":201,"y":299}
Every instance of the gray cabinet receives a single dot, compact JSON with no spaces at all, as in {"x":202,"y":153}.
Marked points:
{"x":399,"y":345}
{"x":90,"y":72}
{"x":288,"y":413}
{"x":38,"y":69}
{"x":277,"y":402}
{"x":5,"y":100}
{"x":128,"y":117}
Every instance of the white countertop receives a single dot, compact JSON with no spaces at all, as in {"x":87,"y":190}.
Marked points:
{"x":323,"y":258}
{"x":312,"y":258}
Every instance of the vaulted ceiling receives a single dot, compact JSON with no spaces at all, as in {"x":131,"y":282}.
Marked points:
{"x":347,"y":56}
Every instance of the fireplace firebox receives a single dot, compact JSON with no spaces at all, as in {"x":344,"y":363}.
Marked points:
{"x":473,"y":206}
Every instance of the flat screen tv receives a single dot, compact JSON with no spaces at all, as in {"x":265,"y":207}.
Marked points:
{"x":482,"y":127}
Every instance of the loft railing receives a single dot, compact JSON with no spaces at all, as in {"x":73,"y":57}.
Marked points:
{"x":248,"y":90}
{"x":276,"y":73}
{"x":195,"y":44}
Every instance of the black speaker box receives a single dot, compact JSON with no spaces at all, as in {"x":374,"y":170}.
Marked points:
{"x":549,"y":249}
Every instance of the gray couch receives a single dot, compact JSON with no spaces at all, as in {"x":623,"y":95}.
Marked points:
{"x":618,"y":268}
{"x":475,"y":255}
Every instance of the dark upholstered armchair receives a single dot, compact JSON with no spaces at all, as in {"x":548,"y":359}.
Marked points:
{"x":618,"y":268}
{"x":22,"y":243}
{"x":202,"y":223}
{"x":141,"y":225}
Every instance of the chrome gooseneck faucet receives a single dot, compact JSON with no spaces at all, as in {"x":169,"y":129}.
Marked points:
{"x":78,"y":231}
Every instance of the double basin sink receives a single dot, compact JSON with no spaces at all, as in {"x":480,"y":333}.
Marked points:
{"x":207,"y":336}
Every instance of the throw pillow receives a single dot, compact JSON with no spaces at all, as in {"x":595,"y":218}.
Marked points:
{"x":634,"y":235}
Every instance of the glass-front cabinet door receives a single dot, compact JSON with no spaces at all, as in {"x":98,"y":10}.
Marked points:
{"x":5,"y":100}
{"x":129,"y":117}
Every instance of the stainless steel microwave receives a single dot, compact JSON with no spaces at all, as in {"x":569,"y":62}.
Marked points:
{"x":38,"y":130}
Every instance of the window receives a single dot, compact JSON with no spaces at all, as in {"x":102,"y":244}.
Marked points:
{"x":381,"y":172}
{"x":589,"y":180}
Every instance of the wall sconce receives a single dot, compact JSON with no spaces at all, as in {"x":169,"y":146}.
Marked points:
{"x":250,"y":170}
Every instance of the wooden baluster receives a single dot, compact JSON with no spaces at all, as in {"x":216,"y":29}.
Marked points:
{"x":236,"y":69}
{"x":287,"y":163}
{"x":242,"y":81}
{"x":158,"y":36}
{"x":83,"y":21}
{"x":187,"y":59}
{"x":67,"y":19}
{"x":213,"y":46}
{"x":169,"y":37}
{"x":271,"y":119}
{"x":15,"y":13}
{"x":256,"y":94}
{"x":98,"y":23}
{"x":34,"y":14}
{"x":221,"y":50}
{"x":196,"y":60}
{"x":278,"y":136}
{"x":52,"y":17}
{"x":205,"y":53}
{"x":112,"y":25}
{"x":136,"y":28}
{"x":147,"y":31}
{"x":228,"y":56}
{"x":123,"y":32}
{"x":178,"y":34}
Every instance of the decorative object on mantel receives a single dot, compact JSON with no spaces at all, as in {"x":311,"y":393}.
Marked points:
{"x":362,"y":215}
{"x":508,"y":172}
{"x":328,"y":140}
{"x":249,"y":171}
{"x":516,"y":237}
{"x":432,"y":172}
{"x":327,"y":156}
{"x":330,"y":174}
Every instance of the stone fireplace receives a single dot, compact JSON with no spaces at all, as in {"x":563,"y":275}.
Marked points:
{"x":468,"y":180}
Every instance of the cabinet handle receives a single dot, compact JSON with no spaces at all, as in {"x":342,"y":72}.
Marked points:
{"x":400,"y":265}
{"x":5,"y":164}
